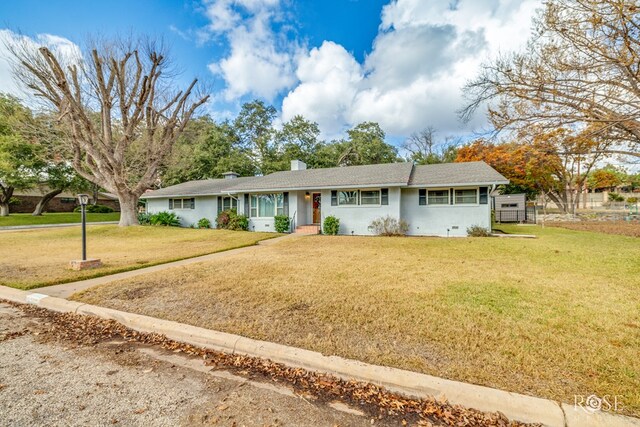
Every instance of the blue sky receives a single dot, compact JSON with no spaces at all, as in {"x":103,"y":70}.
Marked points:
{"x":401,"y":63}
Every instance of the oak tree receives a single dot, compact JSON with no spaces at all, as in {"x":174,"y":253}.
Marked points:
{"x":18,"y":155}
{"x":366,"y":146}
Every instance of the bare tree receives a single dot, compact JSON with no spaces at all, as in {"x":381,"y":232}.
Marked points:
{"x":582,"y":67}
{"x":424,"y":148}
{"x":118,"y":106}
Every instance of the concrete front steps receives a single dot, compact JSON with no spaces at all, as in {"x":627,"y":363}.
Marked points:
{"x":308,"y":229}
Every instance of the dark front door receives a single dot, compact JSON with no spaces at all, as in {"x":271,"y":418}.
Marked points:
{"x":316,"y":208}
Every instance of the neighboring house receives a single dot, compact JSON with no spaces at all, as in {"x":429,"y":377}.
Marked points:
{"x":441,"y":200}
{"x":25,"y":201}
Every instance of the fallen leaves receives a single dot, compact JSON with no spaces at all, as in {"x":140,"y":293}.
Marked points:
{"x":89,"y":330}
{"x":11,"y":335}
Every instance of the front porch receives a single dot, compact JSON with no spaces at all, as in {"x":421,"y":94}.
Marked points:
{"x":307,"y":229}
{"x":306,"y":211}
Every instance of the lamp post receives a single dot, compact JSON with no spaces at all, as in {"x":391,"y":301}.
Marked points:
{"x":84,"y":199}
{"x":81,"y":264}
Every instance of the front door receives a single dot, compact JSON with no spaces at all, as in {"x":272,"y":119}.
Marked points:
{"x":316,"y":208}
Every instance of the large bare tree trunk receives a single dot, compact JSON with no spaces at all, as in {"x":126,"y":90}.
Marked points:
{"x":5,"y":197}
{"x":44,"y":201}
{"x":128,"y":209}
{"x":94,"y":191}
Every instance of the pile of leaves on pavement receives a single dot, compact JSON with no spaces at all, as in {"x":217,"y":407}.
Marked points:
{"x":11,"y":335}
{"x":89,"y":330}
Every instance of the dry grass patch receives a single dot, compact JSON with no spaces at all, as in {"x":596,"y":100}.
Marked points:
{"x":624,"y":228}
{"x":34,"y":258}
{"x":553,"y":317}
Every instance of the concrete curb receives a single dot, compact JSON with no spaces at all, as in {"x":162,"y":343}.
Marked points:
{"x":514,"y":406}
{"x":37,"y":226}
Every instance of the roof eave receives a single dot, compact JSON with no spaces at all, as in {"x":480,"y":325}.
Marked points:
{"x":316,"y":187}
{"x":163,"y":196}
{"x":458,"y":184}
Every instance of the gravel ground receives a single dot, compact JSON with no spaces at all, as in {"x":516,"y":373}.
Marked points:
{"x":45,"y":380}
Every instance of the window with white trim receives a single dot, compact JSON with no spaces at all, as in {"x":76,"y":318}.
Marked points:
{"x":182,"y":203}
{"x":229,"y":203}
{"x":346,"y":198}
{"x":466,"y":197}
{"x":369,"y":197}
{"x":266,"y":205}
{"x":438,"y":197}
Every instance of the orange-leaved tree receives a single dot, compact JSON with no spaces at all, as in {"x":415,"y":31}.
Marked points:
{"x":554,"y":163}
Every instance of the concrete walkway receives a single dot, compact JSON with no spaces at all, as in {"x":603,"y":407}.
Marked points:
{"x":36,"y":226}
{"x":65,"y":290}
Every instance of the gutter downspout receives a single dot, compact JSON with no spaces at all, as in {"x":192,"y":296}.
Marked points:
{"x":493,"y":208}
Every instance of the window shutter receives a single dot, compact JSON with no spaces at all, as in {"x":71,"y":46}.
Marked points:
{"x":334,"y":198}
{"x":484,"y":195}
{"x":384,"y":196}
{"x":451,"y":195}
{"x":285,"y":203}
{"x":219,"y":204}
{"x":170,"y":203}
{"x":422,"y":197}
{"x":246,"y":205}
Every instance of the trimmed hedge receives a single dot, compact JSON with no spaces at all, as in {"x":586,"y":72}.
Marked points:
{"x":204,"y":223}
{"x":331,"y":225}
{"x":95,"y":209}
{"x":282,"y":223}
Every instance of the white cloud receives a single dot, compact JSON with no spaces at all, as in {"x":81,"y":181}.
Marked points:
{"x":260,"y":63}
{"x":63,"y":47}
{"x":423,"y":54}
{"x":330,"y":79}
{"x":7,"y":83}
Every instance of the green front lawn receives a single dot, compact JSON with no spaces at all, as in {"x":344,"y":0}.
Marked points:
{"x":33,"y":258}
{"x":555,"y":316}
{"x":55,"y":218}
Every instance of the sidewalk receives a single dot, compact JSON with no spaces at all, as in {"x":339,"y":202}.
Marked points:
{"x":65,"y":290}
{"x":515,"y":406}
{"x":70,"y":224}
